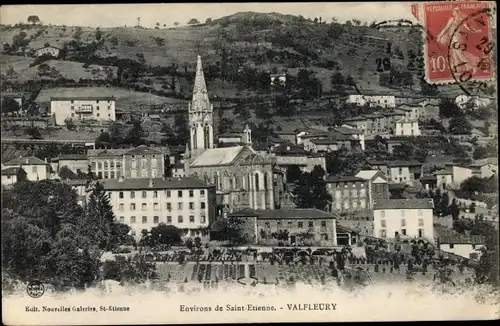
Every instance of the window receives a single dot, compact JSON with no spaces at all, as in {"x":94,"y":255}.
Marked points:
{"x":202,"y":192}
{"x":180,"y":219}
{"x":420,"y":222}
{"x":289,"y":224}
{"x":144,"y":173}
{"x":155,"y":194}
{"x":311,"y":224}
{"x":169,"y":206}
{"x":191,"y":205}
{"x":169,"y":219}
{"x":120,"y":195}
{"x":179,"y":206}
{"x":122,"y":219}
{"x":323,"y":224}
{"x":300,"y":224}
{"x":132,"y":207}
{"x":134,"y":164}
{"x":268,"y":225}
{"x":155,"y":206}
{"x":191,"y":193}
{"x":179,"y":193}
{"x":144,"y":194}
{"x":383,"y":233}
{"x":144,"y":207}
{"x":403,"y":222}
{"x":34,"y":169}
{"x":168,"y":194}
{"x":153,"y":163}
{"x":202,"y":205}
{"x":121,"y":207}
{"x":420,"y":212}
{"x":156,"y":219}
{"x":191,"y":218}
{"x":97,"y":114}
{"x":203,"y":219}
{"x":383,"y":223}
{"x":452,"y":245}
{"x":401,"y":169}
{"x":403,"y":231}
{"x":132,"y":219}
{"x":132,"y":194}
{"x":382,"y":213}
{"x":144,"y":219}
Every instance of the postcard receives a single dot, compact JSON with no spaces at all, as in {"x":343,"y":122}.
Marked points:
{"x":249,"y":162}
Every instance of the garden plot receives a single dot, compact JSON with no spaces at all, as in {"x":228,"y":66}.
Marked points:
{"x":175,"y":272}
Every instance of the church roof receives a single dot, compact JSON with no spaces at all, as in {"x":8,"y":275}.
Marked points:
{"x":218,"y":156}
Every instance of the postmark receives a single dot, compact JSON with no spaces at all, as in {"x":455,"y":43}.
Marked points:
{"x":35,"y":289}
{"x":458,"y":44}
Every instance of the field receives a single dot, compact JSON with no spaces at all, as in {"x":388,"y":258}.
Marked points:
{"x":125,"y":99}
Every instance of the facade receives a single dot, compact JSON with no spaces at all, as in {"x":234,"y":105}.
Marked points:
{"x":139,"y":162}
{"x":412,"y":112}
{"x":13,"y":175}
{"x":385,"y":101}
{"x":74,"y":162}
{"x":35,"y":168}
{"x":82,"y":108}
{"x":404,"y":218}
{"x":304,"y":226}
{"x":243,"y":178}
{"x":467,"y":247}
{"x":322,"y":145}
{"x":48,"y":50}
{"x":80,"y":186}
{"x":485,"y":168}
{"x":400,"y":171}
{"x":407,"y":127}
{"x":348,"y":193}
{"x":378,"y":185}
{"x":185,"y":203}
{"x":444,"y":179}
{"x":460,"y":174}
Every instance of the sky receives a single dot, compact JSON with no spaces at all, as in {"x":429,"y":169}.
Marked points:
{"x":113,"y":15}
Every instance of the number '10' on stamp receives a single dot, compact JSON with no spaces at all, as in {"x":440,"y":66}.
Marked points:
{"x":458,"y":41}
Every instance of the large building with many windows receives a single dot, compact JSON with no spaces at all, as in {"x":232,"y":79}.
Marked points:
{"x":404,"y":218}
{"x":348,"y":193}
{"x":136,"y":163}
{"x":82,"y":108}
{"x":186,"y":203}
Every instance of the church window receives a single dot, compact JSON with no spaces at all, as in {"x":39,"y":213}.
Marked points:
{"x":195,"y":145}
{"x":206,"y":133}
{"x":265,"y":181}
{"x":216,"y":180}
{"x":257,"y":182}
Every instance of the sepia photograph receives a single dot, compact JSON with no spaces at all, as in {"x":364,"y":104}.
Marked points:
{"x":249,"y":162}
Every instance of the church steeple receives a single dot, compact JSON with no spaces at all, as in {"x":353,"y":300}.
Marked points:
{"x":200,"y":114}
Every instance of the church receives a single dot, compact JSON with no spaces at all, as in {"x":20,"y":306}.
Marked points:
{"x":243,"y":177}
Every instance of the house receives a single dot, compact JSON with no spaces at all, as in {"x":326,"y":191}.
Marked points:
{"x":429,"y":182}
{"x":466,"y":246}
{"x":287,"y":135}
{"x":178,"y":170}
{"x":81,"y":187}
{"x":186,"y":203}
{"x":75,"y":162}
{"x":353,"y":132}
{"x":400,"y":171}
{"x":139,"y":162}
{"x":404,"y":218}
{"x":287,"y":155}
{"x":278,"y":79}
{"x":13,"y":175}
{"x":378,"y":185}
{"x":407,"y":127}
{"x":100,"y":108}
{"x":51,"y":51}
{"x":391,"y":118}
{"x":348,"y":193}
{"x":475,"y":102}
{"x":322,"y":145}
{"x":444,"y":179}
{"x":411,"y":111}
{"x":359,"y":122}
{"x":484,"y":168}
{"x":35,"y":168}
{"x":292,"y":226}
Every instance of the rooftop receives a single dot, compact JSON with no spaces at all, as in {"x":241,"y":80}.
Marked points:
{"x":30,"y":160}
{"x":230,"y":135}
{"x":143,"y":150}
{"x":367,"y":174}
{"x":335,"y":179}
{"x":324,"y":141}
{"x":443,"y":172}
{"x":11,"y":171}
{"x":218,"y":156}
{"x":83,"y":98}
{"x":76,"y":182}
{"x":485,"y":161}
{"x":156,"y":183}
{"x":445,"y":235}
{"x":415,"y":203}
{"x":285,"y":213}
{"x":70,"y":157}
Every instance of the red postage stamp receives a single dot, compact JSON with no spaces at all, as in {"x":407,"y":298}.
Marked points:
{"x":458,"y":41}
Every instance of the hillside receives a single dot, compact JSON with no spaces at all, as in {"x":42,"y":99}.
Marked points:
{"x":238,"y":51}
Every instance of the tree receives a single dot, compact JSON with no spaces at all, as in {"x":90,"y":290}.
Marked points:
{"x":454,"y":209}
{"x":164,"y":234}
{"x":176,"y":23}
{"x":181,"y":129}
{"x":70,"y":125}
{"x":293,"y":173}
{"x":33,"y":132}
{"x":9,"y":105}
{"x":459,"y":126}
{"x":208,"y":21}
{"x":233,"y":231}
{"x":448,"y":108}
{"x":33,"y":19}
{"x":98,"y":34}
{"x":193,"y":21}
{"x":65,"y":173}
{"x":135,"y":134}
{"x":310,"y":190}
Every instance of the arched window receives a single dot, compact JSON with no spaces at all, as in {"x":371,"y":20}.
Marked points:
{"x":265,"y":181}
{"x":206,"y":132}
{"x":195,"y":144}
{"x":257,"y":181}
{"x":216,"y":181}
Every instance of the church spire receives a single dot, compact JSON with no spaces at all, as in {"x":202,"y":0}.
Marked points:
{"x":200,"y":100}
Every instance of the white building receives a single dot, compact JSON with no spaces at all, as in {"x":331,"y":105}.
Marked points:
{"x":406,"y":127}
{"x":385,"y":101}
{"x":82,"y":108}
{"x":35,"y":168}
{"x":462,"y":101}
{"x":185,"y":203}
{"x":404,"y":218}
{"x":12,"y":175}
{"x":444,"y":179}
{"x":48,"y":51}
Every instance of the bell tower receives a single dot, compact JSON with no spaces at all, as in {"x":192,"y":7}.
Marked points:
{"x":200,"y":115}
